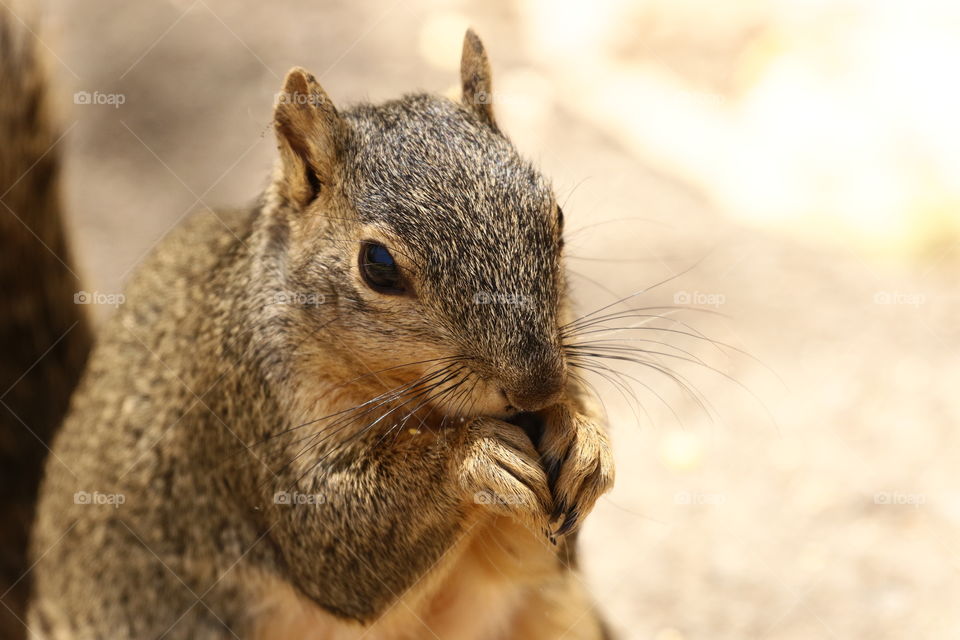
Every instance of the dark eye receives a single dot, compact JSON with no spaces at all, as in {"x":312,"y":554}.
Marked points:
{"x":379,"y":269}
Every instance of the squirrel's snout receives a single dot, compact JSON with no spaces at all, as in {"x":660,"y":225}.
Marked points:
{"x":535,"y":379}
{"x":536,"y":392}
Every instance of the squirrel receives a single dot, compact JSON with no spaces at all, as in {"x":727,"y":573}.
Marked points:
{"x":346,"y":412}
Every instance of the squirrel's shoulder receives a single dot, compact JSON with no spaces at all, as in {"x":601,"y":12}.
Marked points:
{"x":192,"y":250}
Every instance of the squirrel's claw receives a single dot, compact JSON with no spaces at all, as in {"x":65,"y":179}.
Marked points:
{"x":578,"y":461}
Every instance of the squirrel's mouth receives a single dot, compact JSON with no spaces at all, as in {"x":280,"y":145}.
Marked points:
{"x":481,"y":398}
{"x":532,"y":424}
{"x":530,"y":421}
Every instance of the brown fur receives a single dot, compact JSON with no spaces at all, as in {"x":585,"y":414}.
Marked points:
{"x":448,"y":455}
{"x":44,"y":337}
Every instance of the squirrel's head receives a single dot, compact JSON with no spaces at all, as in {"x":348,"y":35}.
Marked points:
{"x":428,"y":239}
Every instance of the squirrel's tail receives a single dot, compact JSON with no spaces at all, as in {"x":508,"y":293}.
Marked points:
{"x":44,"y":336}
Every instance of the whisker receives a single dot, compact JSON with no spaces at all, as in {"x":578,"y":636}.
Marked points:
{"x":594,"y":366}
{"x":576,"y":377}
{"x":367,"y":428}
{"x":694,"y":334}
{"x":635,"y":312}
{"x":392,"y":396}
{"x":641,"y":292}
{"x":614,"y":350}
{"x":597,"y":283}
{"x":573,"y":232}
{"x":346,"y":419}
{"x":720,"y":372}
{"x":616,"y":346}
{"x":615,"y":378}
{"x":677,"y":378}
{"x":399,"y":425}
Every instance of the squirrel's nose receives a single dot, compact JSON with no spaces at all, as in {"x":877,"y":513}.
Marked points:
{"x":536,"y":392}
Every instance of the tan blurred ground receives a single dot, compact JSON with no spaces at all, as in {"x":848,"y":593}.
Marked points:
{"x":822,"y":502}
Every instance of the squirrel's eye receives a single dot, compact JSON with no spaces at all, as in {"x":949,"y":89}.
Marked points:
{"x":379,"y":269}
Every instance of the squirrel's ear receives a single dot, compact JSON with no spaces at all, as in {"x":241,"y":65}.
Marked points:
{"x":475,"y":78}
{"x":309,"y":131}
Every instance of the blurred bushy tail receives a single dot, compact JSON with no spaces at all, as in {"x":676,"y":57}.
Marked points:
{"x":44,"y":336}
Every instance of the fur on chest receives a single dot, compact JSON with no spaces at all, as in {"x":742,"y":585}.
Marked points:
{"x":474,"y":592}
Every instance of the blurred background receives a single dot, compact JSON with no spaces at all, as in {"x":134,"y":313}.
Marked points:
{"x":790,"y":170}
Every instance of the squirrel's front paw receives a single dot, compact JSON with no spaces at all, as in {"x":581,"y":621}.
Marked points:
{"x":578,"y":460}
{"x":501,"y":470}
